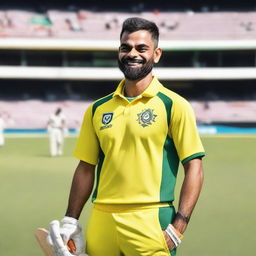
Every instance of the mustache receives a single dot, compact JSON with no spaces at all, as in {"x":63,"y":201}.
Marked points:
{"x":126,"y":60}
{"x":135,"y":73}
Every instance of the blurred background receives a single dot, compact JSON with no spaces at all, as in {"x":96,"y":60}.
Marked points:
{"x":64,"y":54}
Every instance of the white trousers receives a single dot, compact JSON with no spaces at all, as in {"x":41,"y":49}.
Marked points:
{"x":56,"y":141}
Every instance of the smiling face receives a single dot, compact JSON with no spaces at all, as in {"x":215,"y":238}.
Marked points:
{"x":137,"y":54}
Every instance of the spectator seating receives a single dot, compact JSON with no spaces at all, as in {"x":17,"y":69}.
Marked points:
{"x":106,"y":25}
{"x":34,"y":114}
{"x":21,"y":24}
{"x":225,"y":111}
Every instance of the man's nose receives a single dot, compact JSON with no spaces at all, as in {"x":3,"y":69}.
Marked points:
{"x":133,"y":53}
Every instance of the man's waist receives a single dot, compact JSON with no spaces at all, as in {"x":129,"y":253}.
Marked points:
{"x":130,"y":207}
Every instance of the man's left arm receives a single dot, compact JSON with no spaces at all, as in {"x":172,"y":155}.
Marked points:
{"x":189,"y":195}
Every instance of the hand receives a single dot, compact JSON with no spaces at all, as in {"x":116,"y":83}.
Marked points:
{"x":55,"y":240}
{"x":59,"y":236}
{"x":169,"y":241}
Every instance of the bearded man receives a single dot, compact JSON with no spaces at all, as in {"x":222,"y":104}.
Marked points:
{"x":134,"y":138}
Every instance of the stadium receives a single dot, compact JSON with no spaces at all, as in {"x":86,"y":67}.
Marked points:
{"x":63,"y":54}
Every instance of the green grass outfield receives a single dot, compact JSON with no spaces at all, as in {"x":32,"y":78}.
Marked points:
{"x":34,"y":189}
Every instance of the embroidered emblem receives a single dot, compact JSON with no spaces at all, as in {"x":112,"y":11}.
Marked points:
{"x":106,"y":120}
{"x":146,"y":117}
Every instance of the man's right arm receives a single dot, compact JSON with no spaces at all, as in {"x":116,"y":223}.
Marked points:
{"x":70,"y":228}
{"x":81,"y":189}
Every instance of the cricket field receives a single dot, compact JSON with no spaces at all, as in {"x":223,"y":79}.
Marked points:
{"x":34,"y":190}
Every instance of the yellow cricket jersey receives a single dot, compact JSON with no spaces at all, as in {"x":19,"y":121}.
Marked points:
{"x":137,"y":145}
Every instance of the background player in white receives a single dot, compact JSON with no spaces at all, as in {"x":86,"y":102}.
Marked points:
{"x":2,"y":126}
{"x":56,"y":128}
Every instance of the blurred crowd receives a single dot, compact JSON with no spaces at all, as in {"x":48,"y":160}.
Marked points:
{"x":87,"y":24}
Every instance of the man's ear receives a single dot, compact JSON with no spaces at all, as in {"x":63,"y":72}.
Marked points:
{"x":157,"y":54}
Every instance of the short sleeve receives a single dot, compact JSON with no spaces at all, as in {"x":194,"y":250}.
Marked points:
{"x":184,"y":132}
{"x":87,"y":147}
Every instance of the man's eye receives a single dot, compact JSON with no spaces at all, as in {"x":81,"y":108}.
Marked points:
{"x":125,"y":49}
{"x":143,"y":49}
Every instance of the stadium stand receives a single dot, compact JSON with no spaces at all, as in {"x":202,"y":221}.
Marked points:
{"x":225,"y":112}
{"x":22,"y":24}
{"x":48,"y":33}
{"x":36,"y":112}
{"x":106,"y":25}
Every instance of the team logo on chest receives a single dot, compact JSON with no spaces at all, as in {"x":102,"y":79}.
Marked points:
{"x":146,"y":117}
{"x":106,"y":120}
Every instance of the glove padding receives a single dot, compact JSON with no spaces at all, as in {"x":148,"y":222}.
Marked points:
{"x":59,"y":236}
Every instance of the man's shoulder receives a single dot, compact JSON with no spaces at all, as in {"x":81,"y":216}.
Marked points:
{"x":179,"y":104}
{"x":101,"y":101}
{"x":174,"y":97}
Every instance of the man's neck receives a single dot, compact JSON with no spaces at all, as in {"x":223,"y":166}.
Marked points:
{"x":137,"y":87}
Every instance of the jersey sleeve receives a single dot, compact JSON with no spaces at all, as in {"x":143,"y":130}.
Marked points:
{"x":87,"y":147}
{"x":184,"y":132}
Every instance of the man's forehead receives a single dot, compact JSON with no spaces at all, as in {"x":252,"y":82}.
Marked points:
{"x":140,"y":37}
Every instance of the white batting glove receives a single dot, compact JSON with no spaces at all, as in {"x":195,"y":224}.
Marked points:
{"x":71,"y":229}
{"x":56,"y":240}
{"x":59,"y":236}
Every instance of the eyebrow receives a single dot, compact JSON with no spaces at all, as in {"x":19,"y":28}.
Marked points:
{"x":125,"y":44}
{"x":142,"y":46}
{"x":139,"y":45}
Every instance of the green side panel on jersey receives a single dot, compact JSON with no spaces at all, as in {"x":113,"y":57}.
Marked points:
{"x":100,"y":102}
{"x":168,"y":105}
{"x":166,"y":216}
{"x":101,"y":154}
{"x":99,"y":167}
{"x":170,"y":161}
{"x":170,"y":165}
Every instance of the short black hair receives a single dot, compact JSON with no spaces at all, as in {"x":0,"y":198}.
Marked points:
{"x":134,"y":24}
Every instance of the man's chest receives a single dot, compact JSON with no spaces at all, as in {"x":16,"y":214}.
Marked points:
{"x":134,"y":122}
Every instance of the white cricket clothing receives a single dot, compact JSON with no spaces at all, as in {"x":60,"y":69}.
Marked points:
{"x":56,"y":132}
{"x":56,"y":121}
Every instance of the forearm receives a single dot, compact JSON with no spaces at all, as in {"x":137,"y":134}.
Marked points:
{"x":81,"y":189}
{"x":190,"y":192}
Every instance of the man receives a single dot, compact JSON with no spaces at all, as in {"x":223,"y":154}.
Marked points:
{"x":56,"y":129}
{"x":136,"y":137}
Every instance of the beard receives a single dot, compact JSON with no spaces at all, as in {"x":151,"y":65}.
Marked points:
{"x":132,"y":73}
